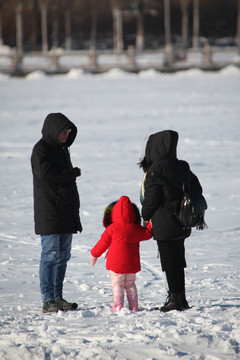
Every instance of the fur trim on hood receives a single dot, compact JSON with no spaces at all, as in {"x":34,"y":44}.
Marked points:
{"x":107,"y":216}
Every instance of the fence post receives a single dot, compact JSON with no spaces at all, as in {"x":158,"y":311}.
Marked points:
{"x":169,"y":55}
{"x":54,"y":59}
{"x":207,"y":54}
{"x":16,"y":59}
{"x":131,"y":55}
{"x":92,"y":56}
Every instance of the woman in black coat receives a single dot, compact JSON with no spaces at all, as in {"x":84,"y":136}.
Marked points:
{"x":56,"y":206}
{"x":165,"y":175}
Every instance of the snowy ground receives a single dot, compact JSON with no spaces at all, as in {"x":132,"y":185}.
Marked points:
{"x":115,"y":113}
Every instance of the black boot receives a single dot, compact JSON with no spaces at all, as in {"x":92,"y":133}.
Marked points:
{"x":174,"y":302}
{"x":184,"y":300}
{"x":65,"y":305}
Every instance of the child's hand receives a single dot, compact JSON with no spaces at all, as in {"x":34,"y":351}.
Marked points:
{"x":93,"y":260}
{"x":145,"y":223}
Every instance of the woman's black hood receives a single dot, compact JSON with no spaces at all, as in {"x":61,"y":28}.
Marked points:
{"x":161,"y":146}
{"x":54,"y":124}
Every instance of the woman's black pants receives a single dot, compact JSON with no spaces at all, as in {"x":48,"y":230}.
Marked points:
{"x":172,"y":257}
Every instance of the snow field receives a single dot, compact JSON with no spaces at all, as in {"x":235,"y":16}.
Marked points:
{"x":115,"y":113}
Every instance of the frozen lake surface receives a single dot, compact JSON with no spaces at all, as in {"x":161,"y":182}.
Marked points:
{"x":115,"y":113}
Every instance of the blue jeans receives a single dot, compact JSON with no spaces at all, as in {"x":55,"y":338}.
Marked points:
{"x":56,"y":251}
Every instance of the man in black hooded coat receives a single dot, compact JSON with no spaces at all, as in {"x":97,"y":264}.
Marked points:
{"x":165,"y":175}
{"x":56,"y":206}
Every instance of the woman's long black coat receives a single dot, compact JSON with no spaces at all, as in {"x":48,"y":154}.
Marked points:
{"x":56,"y":198}
{"x":162,"y":197}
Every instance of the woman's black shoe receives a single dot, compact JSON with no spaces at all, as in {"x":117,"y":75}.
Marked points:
{"x":174,"y":302}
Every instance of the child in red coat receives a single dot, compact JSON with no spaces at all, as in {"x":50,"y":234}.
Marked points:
{"x":122,"y":238}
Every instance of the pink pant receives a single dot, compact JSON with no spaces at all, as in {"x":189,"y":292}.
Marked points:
{"x":121,"y":282}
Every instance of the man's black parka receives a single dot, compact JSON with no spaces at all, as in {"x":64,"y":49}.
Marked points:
{"x":56,"y":198}
{"x":164,"y":179}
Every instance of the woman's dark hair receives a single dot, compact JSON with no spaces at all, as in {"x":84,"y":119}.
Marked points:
{"x":143,"y":164}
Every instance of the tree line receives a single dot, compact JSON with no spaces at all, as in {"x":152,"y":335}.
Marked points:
{"x":31,"y":25}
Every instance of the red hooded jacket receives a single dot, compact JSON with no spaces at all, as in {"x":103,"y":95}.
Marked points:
{"x":122,"y":238}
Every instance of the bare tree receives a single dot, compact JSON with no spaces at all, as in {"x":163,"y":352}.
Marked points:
{"x":167,"y":26}
{"x":68,"y":30}
{"x":1,"y":18}
{"x":184,"y":8}
{"x":44,"y":29}
{"x":99,"y":8}
{"x":19,"y":26}
{"x":117,"y":26}
{"x":140,"y":26}
{"x":238,"y":27}
{"x":55,"y":8}
{"x":196,"y":23}
{"x":94,"y":17}
{"x":34,"y":29}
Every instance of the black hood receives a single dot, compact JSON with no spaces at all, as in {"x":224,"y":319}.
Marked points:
{"x":161,"y":146}
{"x":54,"y":124}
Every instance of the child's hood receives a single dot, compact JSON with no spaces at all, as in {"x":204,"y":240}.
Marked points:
{"x":123,"y":210}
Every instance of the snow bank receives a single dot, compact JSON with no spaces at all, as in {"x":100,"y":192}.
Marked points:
{"x":150,"y":73}
{"x":117,"y":73}
{"x":36,"y":75}
{"x":230,"y":70}
{"x":5,"y":50}
{"x":76,"y":73}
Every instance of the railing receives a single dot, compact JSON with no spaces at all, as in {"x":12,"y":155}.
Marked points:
{"x":61,"y":61}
